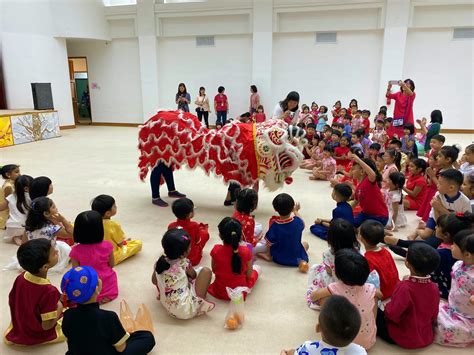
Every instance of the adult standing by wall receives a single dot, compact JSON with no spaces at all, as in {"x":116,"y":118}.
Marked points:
{"x":203,"y":109}
{"x":183,"y":98}
{"x":287,"y":109}
{"x":254,"y":99}
{"x":162,"y":170}
{"x":403,"y":111}
{"x":221,"y":105}
{"x":427,"y":132}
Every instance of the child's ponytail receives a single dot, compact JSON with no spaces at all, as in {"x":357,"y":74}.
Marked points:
{"x":175,"y":244}
{"x":21,"y":183}
{"x":230,"y":231}
{"x":35,"y":218}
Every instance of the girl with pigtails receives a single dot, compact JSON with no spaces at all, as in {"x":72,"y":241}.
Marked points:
{"x":231,"y":261}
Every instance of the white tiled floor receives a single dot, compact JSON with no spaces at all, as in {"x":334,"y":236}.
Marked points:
{"x":91,"y":160}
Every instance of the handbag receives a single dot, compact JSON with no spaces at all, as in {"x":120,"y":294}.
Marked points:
{"x":400,"y":121}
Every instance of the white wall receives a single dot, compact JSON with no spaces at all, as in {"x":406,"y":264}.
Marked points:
{"x":328,"y":72}
{"x":115,"y":67}
{"x":442,"y":69}
{"x":36,"y":58}
{"x":228,"y":63}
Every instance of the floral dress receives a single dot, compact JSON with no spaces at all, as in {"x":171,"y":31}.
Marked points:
{"x":177,"y":293}
{"x":319,"y":277}
{"x":456,"y":317}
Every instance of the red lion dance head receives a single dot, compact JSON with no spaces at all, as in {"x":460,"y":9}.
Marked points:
{"x":240,"y":152}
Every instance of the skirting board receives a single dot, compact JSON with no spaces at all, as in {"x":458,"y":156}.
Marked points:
{"x":68,"y":127}
{"x":118,"y":124}
{"x":457,"y":131}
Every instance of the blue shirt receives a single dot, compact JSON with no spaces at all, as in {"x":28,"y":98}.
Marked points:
{"x":347,"y":130}
{"x":343,"y":210}
{"x":285,"y":240}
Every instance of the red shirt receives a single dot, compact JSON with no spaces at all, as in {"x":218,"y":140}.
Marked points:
{"x":382,"y":262}
{"x":260,"y":117}
{"x":32,"y":300}
{"x":199,"y":234}
{"x":371,"y":199}
{"x":411,"y":312}
{"x":248,"y":227}
{"x":403,"y":108}
{"x":220,"y":101}
{"x":417,"y":180}
{"x":222,"y":267}
{"x":340,"y":151}
{"x":366,"y":124}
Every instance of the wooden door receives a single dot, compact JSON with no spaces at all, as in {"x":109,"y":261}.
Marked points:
{"x":72,"y":84}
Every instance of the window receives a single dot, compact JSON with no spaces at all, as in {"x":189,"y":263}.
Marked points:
{"x":463,"y":33}
{"x":119,"y":2}
{"x":326,"y":37}
{"x":205,"y":41}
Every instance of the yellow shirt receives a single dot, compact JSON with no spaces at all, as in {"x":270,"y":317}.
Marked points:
{"x":113,"y":233}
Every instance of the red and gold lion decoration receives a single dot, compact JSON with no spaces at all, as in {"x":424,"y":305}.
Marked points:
{"x":239,"y":152}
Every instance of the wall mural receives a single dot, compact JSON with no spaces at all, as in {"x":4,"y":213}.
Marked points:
{"x":29,"y":127}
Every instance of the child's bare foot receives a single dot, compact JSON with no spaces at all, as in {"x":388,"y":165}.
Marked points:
{"x":421,"y":225}
{"x":265,"y":256}
{"x":17,"y":240}
{"x":390,"y":240}
{"x":305,"y":245}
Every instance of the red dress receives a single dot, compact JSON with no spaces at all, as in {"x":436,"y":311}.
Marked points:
{"x":425,"y":206}
{"x":382,"y":262}
{"x":340,"y":151}
{"x":412,"y":182}
{"x":248,"y":227}
{"x":370,"y":198}
{"x":199,"y":234}
{"x":403,"y":108}
{"x":222,"y":267}
{"x":32,"y":300}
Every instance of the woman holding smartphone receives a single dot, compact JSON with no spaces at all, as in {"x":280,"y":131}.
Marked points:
{"x":403,"y":111}
{"x":287,"y":110}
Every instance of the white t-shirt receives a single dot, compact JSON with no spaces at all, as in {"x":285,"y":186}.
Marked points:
{"x":16,"y":219}
{"x":320,"y":347}
{"x":278,"y":111}
{"x":459,"y":204}
{"x":466,"y":168}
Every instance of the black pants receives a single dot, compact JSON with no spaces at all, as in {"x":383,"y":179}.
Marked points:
{"x":155,"y":178}
{"x":433,"y":241}
{"x":140,"y":343}
{"x":204,"y":114}
{"x":382,"y":330}
{"x":232,"y":189}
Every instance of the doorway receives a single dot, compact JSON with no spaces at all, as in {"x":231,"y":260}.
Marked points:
{"x":79,"y":82}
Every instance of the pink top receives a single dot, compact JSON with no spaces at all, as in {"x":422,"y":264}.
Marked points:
{"x":387,"y":170}
{"x":363,"y":297}
{"x":97,"y":255}
{"x":357,"y":123}
{"x":254,"y":101}
{"x":378,"y":137}
{"x":329,"y":165}
{"x":317,"y":154}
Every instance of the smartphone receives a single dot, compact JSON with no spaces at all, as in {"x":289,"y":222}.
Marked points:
{"x":393,"y":82}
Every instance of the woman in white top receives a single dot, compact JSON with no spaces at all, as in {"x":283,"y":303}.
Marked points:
{"x":287,"y":109}
{"x":203,"y":108}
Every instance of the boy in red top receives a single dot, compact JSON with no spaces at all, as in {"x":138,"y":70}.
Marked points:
{"x":379,"y":259}
{"x":221,"y":106}
{"x":416,"y":185}
{"x":366,"y":121}
{"x":410,"y":315}
{"x":35,"y":305}
{"x":183,"y":209}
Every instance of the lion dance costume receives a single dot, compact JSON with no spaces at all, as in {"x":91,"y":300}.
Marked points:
{"x":239,"y":152}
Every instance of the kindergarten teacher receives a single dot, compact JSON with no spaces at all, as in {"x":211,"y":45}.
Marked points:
{"x":403,"y":111}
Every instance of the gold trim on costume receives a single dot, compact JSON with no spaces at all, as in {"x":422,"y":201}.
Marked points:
{"x":35,"y":279}
{"x":49,"y":316}
{"x":123,"y":340}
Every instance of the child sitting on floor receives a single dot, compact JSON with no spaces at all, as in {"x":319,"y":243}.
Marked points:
{"x":231,"y":262}
{"x":397,"y":218}
{"x":247,"y":201}
{"x":352,"y":271}
{"x":327,"y":170}
{"x":183,"y":209}
{"x":340,"y":235}
{"x":409,"y":317}
{"x":181,"y":289}
{"x":416,"y":186}
{"x":315,"y":152}
{"x":285,"y":233}
{"x":9,"y":173}
{"x":467,"y":165}
{"x":456,"y":317}
{"x":339,"y":324}
{"x":467,"y":188}
{"x":92,"y":250}
{"x":371,"y":234}
{"x":18,"y":205}
{"x":341,"y":194}
{"x":340,"y":153}
{"x":123,"y":248}
{"x":35,"y":305}
{"x":91,"y":330}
